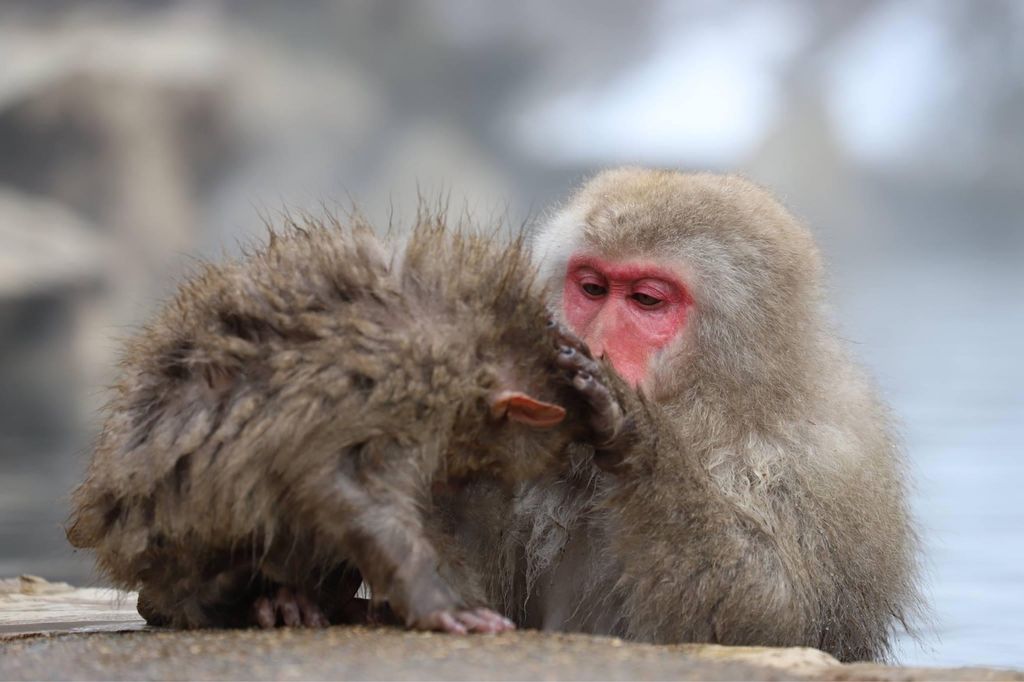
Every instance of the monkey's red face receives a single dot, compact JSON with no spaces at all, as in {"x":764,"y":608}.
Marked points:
{"x":625,"y":310}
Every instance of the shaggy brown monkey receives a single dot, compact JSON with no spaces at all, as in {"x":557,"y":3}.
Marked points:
{"x":751,"y":491}
{"x":278,"y":427}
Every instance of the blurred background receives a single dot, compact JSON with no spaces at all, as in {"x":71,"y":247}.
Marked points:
{"x":135,"y":136}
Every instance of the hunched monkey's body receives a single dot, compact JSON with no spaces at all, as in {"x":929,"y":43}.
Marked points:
{"x":281,"y":422}
{"x":760,"y":499}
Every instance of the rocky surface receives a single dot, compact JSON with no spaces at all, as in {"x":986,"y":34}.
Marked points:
{"x":32,"y":606}
{"x":54,"y":631}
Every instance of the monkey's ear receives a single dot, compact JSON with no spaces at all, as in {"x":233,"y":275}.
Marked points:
{"x":519,"y":407}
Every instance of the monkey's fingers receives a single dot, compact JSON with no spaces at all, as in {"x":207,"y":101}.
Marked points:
{"x":485,"y":620}
{"x":312,"y":615}
{"x":573,"y":360}
{"x":607,"y":421}
{"x":463,"y":621}
{"x":564,"y":337}
{"x":289,"y":608}
{"x":446,"y":621}
{"x":264,"y":614}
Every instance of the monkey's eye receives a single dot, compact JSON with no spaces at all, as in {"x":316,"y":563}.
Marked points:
{"x":645,"y":300}
{"x":594,"y":289}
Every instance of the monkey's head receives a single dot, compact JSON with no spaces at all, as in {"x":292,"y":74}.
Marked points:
{"x":490,"y":350}
{"x":685,"y":282}
{"x":521,"y":411}
{"x":524,"y":430}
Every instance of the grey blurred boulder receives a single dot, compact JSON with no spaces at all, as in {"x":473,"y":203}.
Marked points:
{"x":46,"y":248}
{"x":51,"y":265}
{"x":51,"y":274}
{"x":121,"y":119}
{"x":112,"y":129}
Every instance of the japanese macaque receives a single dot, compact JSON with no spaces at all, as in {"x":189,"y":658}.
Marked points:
{"x":278,"y":428}
{"x":752,"y":491}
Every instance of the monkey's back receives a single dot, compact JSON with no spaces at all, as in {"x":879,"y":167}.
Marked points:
{"x":237,"y":405}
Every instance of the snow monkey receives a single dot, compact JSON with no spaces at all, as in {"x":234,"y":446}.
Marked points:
{"x":278,"y":428}
{"x":751,"y":491}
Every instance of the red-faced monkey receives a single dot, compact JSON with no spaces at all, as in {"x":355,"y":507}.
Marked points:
{"x":750,"y":490}
{"x":278,"y":428}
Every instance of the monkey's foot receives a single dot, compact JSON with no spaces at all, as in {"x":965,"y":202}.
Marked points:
{"x":287,"y":607}
{"x":463,"y":621}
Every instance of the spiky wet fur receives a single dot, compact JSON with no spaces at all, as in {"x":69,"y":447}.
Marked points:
{"x":764,"y":502}
{"x":285,"y":415}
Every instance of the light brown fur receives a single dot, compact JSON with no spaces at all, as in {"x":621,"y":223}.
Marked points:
{"x":282,"y":420}
{"x":762,"y":500}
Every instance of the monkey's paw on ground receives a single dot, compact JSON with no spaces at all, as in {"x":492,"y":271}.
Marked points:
{"x":290,"y":608}
{"x":463,"y":621}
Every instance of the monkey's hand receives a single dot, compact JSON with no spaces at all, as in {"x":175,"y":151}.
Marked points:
{"x":610,"y":426}
{"x":462,"y":621}
{"x":429,"y":603}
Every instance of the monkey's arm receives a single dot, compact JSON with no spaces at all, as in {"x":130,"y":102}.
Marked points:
{"x":697,"y":564}
{"x":701,"y":565}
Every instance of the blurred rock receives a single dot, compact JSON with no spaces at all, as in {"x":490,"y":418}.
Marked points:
{"x":51,"y":265}
{"x":30,"y":604}
{"x":798,"y":660}
{"x":52,"y":271}
{"x":121,"y":119}
{"x":46,"y":248}
{"x":32,"y":585}
{"x":112,"y":129}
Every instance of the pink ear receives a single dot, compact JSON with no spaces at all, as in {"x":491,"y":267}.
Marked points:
{"x":521,"y":408}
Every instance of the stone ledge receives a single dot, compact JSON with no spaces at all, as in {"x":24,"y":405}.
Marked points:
{"x":30,"y":605}
{"x":53,"y":631}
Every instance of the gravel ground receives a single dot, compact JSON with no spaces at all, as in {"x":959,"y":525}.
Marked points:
{"x":55,"y":632}
{"x":391,"y":654}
